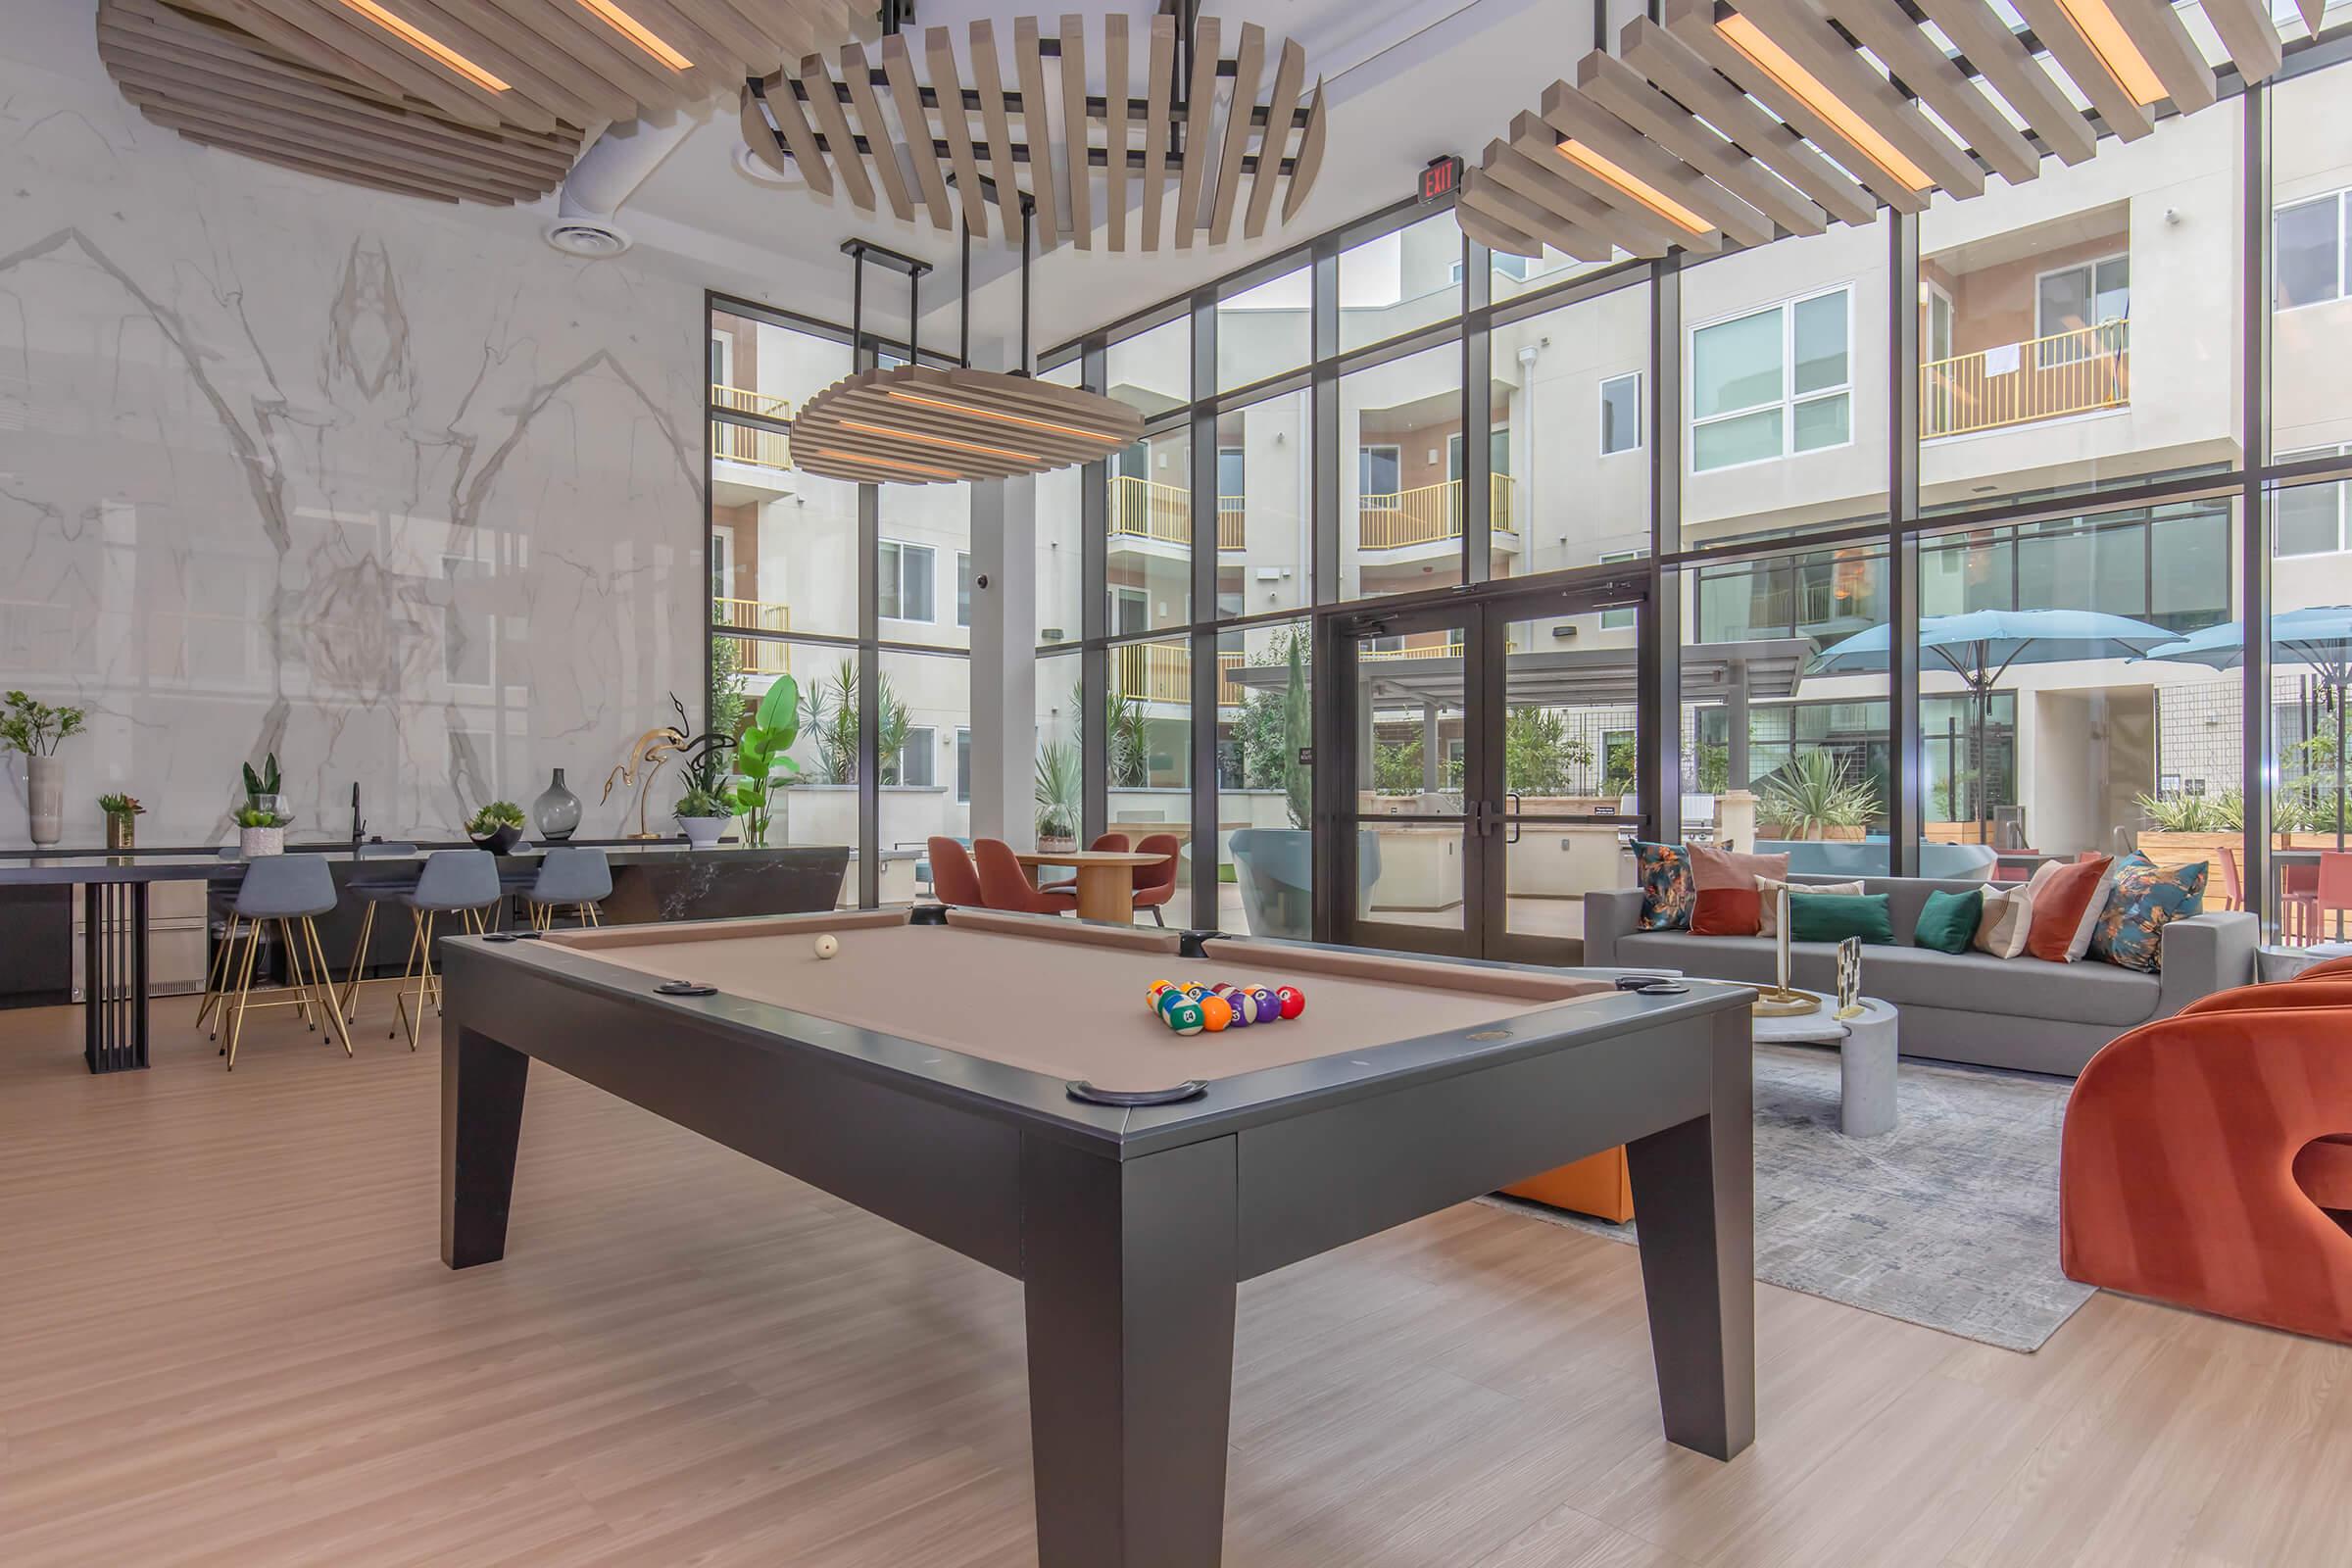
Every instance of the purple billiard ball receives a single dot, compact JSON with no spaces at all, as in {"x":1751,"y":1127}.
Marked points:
{"x":1245,"y":1010}
{"x":1270,"y":1007}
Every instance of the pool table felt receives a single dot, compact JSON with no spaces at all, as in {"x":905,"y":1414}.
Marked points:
{"x":1059,"y":1003}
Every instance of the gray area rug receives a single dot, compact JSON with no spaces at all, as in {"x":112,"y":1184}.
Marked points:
{"x":1950,"y":1221}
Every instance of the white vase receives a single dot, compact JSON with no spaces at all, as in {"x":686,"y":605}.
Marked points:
{"x":255,"y":842}
{"x":46,"y":798}
{"x":703,"y":831}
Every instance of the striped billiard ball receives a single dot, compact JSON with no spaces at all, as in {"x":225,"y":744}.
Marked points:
{"x":1183,"y":1014}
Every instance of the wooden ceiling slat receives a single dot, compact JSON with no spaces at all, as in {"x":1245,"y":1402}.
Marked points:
{"x":312,"y":142}
{"x":346,"y":29}
{"x":724,"y":37}
{"x":1672,"y":65}
{"x":1609,"y":81}
{"x":359,"y":48}
{"x":1310,"y":161}
{"x":1531,"y":220}
{"x":2165,"y":44}
{"x":988,"y":81}
{"x":1249,"y":60}
{"x":244,"y":22}
{"x":2018,"y":76}
{"x":1079,"y":129}
{"x":2075,"y":56}
{"x":1486,"y":229}
{"x":587,"y":95}
{"x":914,"y":123}
{"x":1200,"y":115}
{"x":2310,"y":10}
{"x":857,"y":75}
{"x":761,"y":140}
{"x":2250,"y":34}
{"x":824,"y":112}
{"x":1572,"y":114}
{"x":1159,"y":94}
{"x":373,"y":179}
{"x":1544,"y":177}
{"x":718,"y":60}
{"x":799,"y":137}
{"x":1037,"y":128}
{"x":955,"y":425}
{"x":1116,"y":83}
{"x":1290,"y":75}
{"x":495,"y":49}
{"x":1800,"y":31}
{"x":1926,"y":69}
{"x":939,"y":49}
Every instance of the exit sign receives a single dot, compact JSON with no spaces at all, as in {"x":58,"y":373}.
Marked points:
{"x":1442,"y":178}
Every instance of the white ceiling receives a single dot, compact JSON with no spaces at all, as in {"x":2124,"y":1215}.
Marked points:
{"x":1408,"y":80}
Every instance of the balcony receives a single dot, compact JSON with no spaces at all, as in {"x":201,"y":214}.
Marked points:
{"x":1143,"y":508}
{"x":2021,"y":383}
{"x":755,"y":655}
{"x":745,"y":444}
{"x":1162,"y":672}
{"x":1431,"y":514}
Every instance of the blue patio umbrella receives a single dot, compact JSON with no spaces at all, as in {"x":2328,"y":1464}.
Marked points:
{"x":1980,"y":645}
{"x":2320,"y":637}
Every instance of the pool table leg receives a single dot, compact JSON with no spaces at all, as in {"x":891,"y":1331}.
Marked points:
{"x":482,"y":1118}
{"x":1130,"y":1268}
{"x":1695,"y":1203}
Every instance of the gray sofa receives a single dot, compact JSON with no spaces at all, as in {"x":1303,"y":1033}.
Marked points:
{"x":1968,"y":1006}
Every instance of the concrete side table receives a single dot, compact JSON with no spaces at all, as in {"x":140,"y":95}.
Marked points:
{"x":1866,"y":1059}
{"x":2274,"y":963}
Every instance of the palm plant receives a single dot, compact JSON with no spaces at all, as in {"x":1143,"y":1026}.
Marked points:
{"x":1814,"y":792}
{"x":1061,"y":784}
{"x":834,"y":722}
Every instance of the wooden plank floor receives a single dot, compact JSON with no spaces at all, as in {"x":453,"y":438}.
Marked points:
{"x":229,"y":1339}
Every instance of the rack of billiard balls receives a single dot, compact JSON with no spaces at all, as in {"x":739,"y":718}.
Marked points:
{"x":1191,"y":1009}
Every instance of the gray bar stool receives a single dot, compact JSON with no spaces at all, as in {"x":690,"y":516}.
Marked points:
{"x":375,"y":886}
{"x":293,"y":890}
{"x":580,"y":878}
{"x":220,"y":904}
{"x":459,"y":882}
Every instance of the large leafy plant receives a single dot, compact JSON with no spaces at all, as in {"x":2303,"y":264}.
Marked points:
{"x":761,"y":765}
{"x":1813,"y":794}
{"x":1060,"y":783}
{"x":36,"y":728}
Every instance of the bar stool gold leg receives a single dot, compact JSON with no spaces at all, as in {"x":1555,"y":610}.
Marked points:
{"x":318,"y":966}
{"x":294,"y":971}
{"x":216,"y":979}
{"x":424,"y":977}
{"x":358,"y":963}
{"x":236,"y":1027}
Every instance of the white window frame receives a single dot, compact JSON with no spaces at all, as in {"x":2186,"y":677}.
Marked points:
{"x":2343,"y":522}
{"x":904,"y":547}
{"x":1141,"y":597}
{"x":921,"y":740}
{"x":722,"y":560}
{"x":1364,"y":448}
{"x":1788,"y":402}
{"x":1628,"y":613}
{"x":963,"y":764}
{"x":2342,"y":198}
{"x":723,"y":341}
{"x":1600,"y":414}
{"x":963,"y":592}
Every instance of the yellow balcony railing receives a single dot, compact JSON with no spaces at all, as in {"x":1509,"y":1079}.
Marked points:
{"x":1431,"y":514}
{"x":1452,"y":649}
{"x":755,"y":656}
{"x":2018,"y":383}
{"x":1162,"y":672}
{"x":746,"y":444}
{"x":1145,"y":508}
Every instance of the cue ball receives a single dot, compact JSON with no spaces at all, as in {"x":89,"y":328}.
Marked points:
{"x":827,"y":946}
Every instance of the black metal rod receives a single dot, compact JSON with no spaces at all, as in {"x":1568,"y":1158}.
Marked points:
{"x":1028,"y":210}
{"x":963,"y":331}
{"x":914,"y":318}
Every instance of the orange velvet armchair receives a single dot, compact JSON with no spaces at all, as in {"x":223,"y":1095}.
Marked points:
{"x":2207,"y":1160}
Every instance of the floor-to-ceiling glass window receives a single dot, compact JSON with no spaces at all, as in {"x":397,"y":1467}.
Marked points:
{"x":1266,"y":778}
{"x":1400,"y":485}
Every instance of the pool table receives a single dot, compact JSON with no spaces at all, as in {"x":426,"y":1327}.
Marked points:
{"x":995,"y":1083}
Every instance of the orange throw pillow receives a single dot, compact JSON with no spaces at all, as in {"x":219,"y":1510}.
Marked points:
{"x":1730,"y":904}
{"x":2062,"y":897}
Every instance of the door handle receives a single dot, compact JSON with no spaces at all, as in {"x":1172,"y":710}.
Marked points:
{"x":1516,"y":808}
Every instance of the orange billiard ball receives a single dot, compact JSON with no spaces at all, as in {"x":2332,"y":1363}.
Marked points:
{"x":1215,"y":1012}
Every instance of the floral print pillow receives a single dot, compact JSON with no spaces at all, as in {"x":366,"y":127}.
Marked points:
{"x":1668,"y":887}
{"x":2130,"y":934}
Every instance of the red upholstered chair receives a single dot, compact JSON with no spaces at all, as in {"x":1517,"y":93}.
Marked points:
{"x":1155,"y":885}
{"x":2207,"y":1160}
{"x":1004,"y":885}
{"x":2234,"y":886}
{"x":2328,"y":969}
{"x":2332,"y":892}
{"x":952,"y":880}
{"x":1106,"y":843}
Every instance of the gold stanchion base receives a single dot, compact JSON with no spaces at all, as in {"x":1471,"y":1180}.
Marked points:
{"x":1775,"y":1003}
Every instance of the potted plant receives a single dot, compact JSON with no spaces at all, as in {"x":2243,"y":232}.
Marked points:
{"x":760,"y":767}
{"x":496,"y":827}
{"x":1815,"y":796}
{"x":121,"y":814}
{"x":261,"y":830}
{"x":1059,"y":788}
{"x":36,"y":728}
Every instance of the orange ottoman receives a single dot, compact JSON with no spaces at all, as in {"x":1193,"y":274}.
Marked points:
{"x":1597,"y":1185}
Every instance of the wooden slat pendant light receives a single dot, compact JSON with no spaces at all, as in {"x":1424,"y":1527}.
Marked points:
{"x":1217,"y":131}
{"x":932,"y":424}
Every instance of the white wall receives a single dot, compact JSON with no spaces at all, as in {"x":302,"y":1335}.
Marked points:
{"x":388,"y":487}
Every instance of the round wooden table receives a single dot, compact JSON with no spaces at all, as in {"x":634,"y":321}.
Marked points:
{"x":1105,"y":878}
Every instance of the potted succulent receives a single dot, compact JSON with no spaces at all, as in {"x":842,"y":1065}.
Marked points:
{"x":1059,"y":790}
{"x":122,"y":813}
{"x":496,"y":827}
{"x":36,"y":728}
{"x":261,"y":830}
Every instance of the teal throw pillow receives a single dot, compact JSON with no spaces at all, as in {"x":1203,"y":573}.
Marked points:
{"x":1835,"y":917}
{"x":1947,"y":921}
{"x":1668,"y":886}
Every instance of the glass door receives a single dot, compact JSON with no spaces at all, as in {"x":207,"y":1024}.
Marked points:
{"x":1407,"y":836}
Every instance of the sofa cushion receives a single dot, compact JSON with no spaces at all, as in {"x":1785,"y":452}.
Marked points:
{"x":1770,"y":890}
{"x":2068,"y":900}
{"x":1947,"y":923}
{"x":1834,"y":917}
{"x":1667,"y":889}
{"x":1730,"y":901}
{"x":2130,"y":931}
{"x":1968,"y":982}
{"x":2004,"y":922}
